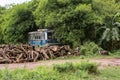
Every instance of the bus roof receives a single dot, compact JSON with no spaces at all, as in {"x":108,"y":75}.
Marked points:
{"x":40,"y":31}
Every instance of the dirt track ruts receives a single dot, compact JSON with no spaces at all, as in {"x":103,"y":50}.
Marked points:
{"x":103,"y":63}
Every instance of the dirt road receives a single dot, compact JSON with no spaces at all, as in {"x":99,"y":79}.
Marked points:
{"x":103,"y":63}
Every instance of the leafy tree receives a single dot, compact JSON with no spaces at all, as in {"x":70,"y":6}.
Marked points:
{"x":112,"y":33}
{"x":107,"y":9}
{"x":67,"y":18}
{"x":74,"y":21}
{"x":2,"y":9}
{"x":17,"y":24}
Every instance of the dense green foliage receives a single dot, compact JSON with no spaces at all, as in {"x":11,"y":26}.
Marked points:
{"x":17,"y":24}
{"x":81,"y":71}
{"x":74,"y":21}
{"x":47,"y":73}
{"x":90,"y":49}
{"x":1,"y":18}
{"x":83,"y":66}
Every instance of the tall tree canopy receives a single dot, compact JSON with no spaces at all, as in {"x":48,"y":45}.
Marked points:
{"x":2,"y":9}
{"x":17,"y":22}
{"x":74,"y":21}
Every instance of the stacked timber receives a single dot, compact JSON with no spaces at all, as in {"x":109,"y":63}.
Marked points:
{"x":25,"y":53}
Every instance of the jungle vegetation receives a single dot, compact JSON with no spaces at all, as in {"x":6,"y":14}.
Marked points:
{"x":74,"y":21}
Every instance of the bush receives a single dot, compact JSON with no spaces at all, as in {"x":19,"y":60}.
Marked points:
{"x":67,"y":67}
{"x":90,"y":49}
{"x":116,"y":53}
{"x":87,"y":66}
{"x":83,"y":66}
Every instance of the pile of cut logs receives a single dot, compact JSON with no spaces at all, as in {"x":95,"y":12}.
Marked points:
{"x":25,"y":53}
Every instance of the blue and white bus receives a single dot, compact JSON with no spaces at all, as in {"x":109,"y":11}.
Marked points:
{"x":42,"y":37}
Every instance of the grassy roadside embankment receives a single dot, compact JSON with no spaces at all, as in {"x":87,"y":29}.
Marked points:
{"x":67,"y":71}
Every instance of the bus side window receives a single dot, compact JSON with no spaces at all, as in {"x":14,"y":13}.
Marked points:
{"x":39,"y":37}
{"x":35,"y":37}
{"x":49,"y":35}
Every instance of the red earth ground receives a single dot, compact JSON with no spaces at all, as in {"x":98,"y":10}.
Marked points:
{"x":103,"y":63}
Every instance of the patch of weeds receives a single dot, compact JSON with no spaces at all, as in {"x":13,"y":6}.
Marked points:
{"x":90,"y":67}
{"x":6,"y":75}
{"x":90,"y":49}
{"x":67,"y":67}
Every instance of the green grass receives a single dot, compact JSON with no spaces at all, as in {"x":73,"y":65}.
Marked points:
{"x":68,"y":71}
{"x":88,"y":57}
{"x":74,"y":67}
{"x":110,"y":73}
